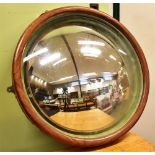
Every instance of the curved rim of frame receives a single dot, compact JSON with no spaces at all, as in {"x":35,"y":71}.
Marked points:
{"x":28,"y":108}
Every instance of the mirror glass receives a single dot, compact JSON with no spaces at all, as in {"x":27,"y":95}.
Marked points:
{"x":80,"y":79}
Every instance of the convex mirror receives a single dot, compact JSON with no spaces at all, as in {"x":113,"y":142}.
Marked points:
{"x":80,"y":76}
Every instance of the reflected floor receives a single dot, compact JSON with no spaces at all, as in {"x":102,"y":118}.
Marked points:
{"x":83,"y":120}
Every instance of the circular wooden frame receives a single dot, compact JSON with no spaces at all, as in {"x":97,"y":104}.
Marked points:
{"x":28,"y":108}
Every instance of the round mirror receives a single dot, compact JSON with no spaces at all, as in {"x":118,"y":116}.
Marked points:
{"x":80,"y":76}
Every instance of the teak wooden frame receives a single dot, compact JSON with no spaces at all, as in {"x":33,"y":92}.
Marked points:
{"x":28,"y":108}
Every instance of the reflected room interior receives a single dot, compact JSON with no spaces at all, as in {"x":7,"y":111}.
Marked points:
{"x":78,"y":78}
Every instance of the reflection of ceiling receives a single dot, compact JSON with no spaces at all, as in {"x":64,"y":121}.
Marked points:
{"x":66,"y":30}
{"x":62,"y":69}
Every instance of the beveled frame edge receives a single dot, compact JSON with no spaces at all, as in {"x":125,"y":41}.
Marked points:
{"x":32,"y":114}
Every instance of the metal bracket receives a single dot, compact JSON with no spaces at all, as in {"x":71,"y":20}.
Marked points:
{"x":116,"y":11}
{"x":94,"y":6}
{"x":10,"y":89}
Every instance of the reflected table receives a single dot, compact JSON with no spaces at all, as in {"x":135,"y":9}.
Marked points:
{"x":83,"y":120}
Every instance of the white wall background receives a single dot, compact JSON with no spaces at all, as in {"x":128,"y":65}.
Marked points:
{"x":140,"y":21}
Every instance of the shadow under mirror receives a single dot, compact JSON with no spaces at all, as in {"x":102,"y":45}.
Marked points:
{"x":78,"y":79}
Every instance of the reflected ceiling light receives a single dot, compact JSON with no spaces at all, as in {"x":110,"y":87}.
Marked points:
{"x":90,"y":42}
{"x":32,"y":77}
{"x":90,"y":51}
{"x":107,"y":60}
{"x":50,"y":58}
{"x":82,"y":82}
{"x":30,"y":56}
{"x":59,"y":61}
{"x":89,"y":74}
{"x":119,"y":62}
{"x":45,"y":83}
{"x":65,"y":78}
{"x":61,"y":79}
{"x":109,"y":73}
{"x":112,"y":57}
{"x":36,"y":79}
{"x":119,"y":50}
{"x":39,"y":80}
